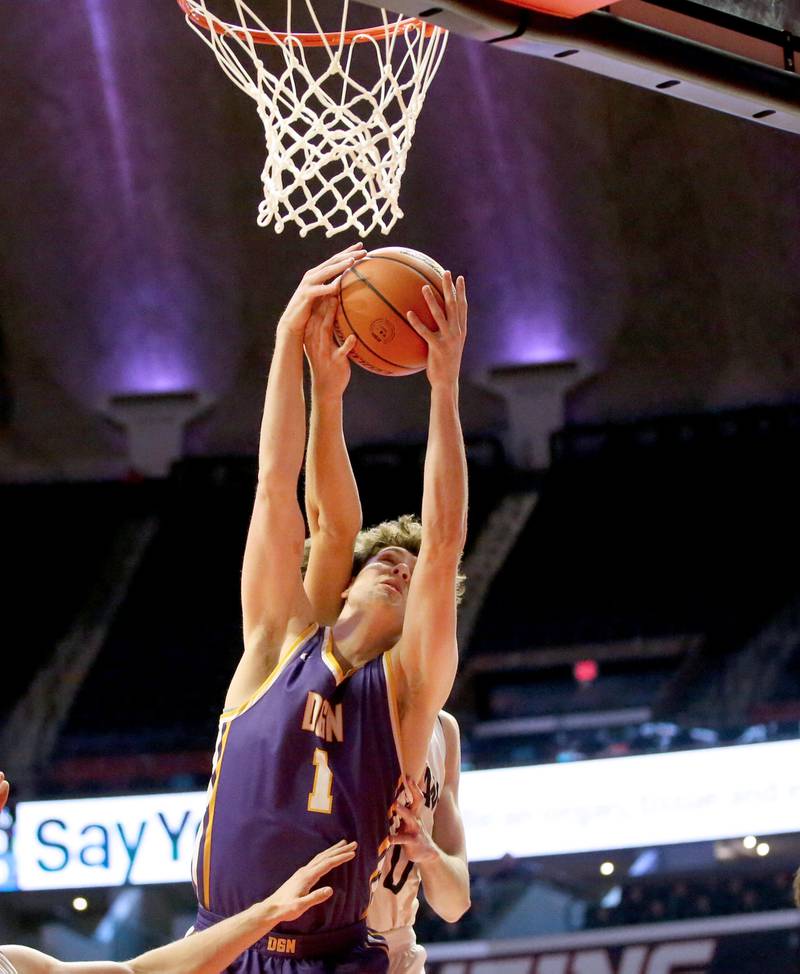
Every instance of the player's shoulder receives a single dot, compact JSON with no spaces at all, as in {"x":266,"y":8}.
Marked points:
{"x":451,"y":731}
{"x":451,"y":736}
{"x":449,"y":723}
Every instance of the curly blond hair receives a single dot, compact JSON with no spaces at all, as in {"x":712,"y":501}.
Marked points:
{"x":405,"y":532}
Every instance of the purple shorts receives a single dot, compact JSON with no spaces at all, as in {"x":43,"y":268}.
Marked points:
{"x":348,"y":950}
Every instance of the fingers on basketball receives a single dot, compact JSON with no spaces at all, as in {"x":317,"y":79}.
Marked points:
{"x":332,"y":268}
{"x":455,"y":300}
{"x":437,"y":312}
{"x":461,"y":301}
{"x":448,"y":293}
{"x":314,"y":325}
{"x":346,"y":347}
{"x":358,"y":245}
{"x":424,"y":331}
{"x":353,"y":252}
{"x":325,"y":280}
{"x":328,"y":316}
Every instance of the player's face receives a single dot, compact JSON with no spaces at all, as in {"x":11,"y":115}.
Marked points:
{"x":386,"y":577}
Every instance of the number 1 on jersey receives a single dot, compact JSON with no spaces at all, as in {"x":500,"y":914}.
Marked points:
{"x":320,"y":798}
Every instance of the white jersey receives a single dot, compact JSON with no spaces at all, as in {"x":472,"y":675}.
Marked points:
{"x":394,"y":902}
{"x":6,"y":967}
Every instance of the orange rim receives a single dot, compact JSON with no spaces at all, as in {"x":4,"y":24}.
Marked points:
{"x":307,"y":40}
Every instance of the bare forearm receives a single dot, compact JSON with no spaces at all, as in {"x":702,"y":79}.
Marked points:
{"x":332,"y":501}
{"x":209,"y":951}
{"x":446,"y":882}
{"x":444,"y":499}
{"x":282,"y":441}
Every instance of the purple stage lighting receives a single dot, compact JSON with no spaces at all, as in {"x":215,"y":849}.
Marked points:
{"x":103,"y":36}
{"x":152,"y":340}
{"x":156,"y":369}
{"x":535,"y":339}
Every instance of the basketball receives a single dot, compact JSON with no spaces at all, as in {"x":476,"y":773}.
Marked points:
{"x":374,"y":296}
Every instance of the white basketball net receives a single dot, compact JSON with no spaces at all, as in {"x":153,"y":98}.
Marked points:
{"x":336,"y":146}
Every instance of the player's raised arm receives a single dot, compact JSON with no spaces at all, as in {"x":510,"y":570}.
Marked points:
{"x":209,"y":951}
{"x":333,"y":507}
{"x":427,"y":653}
{"x":274,"y":604}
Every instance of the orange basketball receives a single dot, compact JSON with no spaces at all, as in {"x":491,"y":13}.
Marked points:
{"x":374,"y":296}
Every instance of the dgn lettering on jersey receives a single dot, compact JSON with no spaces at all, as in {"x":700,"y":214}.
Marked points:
{"x":282,"y":945}
{"x":322,"y":719}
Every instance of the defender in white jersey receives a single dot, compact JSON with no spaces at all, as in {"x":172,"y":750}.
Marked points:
{"x":428,"y":847}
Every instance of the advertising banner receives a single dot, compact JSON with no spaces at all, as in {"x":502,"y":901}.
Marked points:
{"x":540,"y":810}
{"x":767,"y":943}
{"x":632,"y":802}
{"x":106,"y":841}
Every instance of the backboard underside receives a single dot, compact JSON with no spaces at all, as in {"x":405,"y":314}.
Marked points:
{"x":727,"y":55}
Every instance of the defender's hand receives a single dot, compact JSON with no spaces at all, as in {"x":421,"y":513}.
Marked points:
{"x":330,"y":366}
{"x":4,"y":790}
{"x":293,"y":898}
{"x":413,"y":835}
{"x":445,"y":345}
{"x":316,"y":283}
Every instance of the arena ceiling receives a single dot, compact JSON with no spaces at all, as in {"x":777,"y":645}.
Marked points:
{"x":655,"y":241}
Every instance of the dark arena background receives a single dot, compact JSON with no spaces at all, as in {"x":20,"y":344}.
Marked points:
{"x":629,"y":685}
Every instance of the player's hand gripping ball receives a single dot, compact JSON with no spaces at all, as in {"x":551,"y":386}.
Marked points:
{"x":374,"y":296}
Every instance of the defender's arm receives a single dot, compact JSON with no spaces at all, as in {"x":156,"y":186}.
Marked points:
{"x":445,"y":875}
{"x":442,"y":856}
{"x":209,"y":951}
{"x":333,"y":507}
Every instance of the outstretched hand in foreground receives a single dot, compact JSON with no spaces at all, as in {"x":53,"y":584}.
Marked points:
{"x":296,"y":895}
{"x":214,"y":949}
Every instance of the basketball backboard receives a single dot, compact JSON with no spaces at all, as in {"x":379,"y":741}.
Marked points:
{"x":735,"y":56}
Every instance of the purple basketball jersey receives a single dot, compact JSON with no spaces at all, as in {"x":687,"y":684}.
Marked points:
{"x":309,"y":759}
